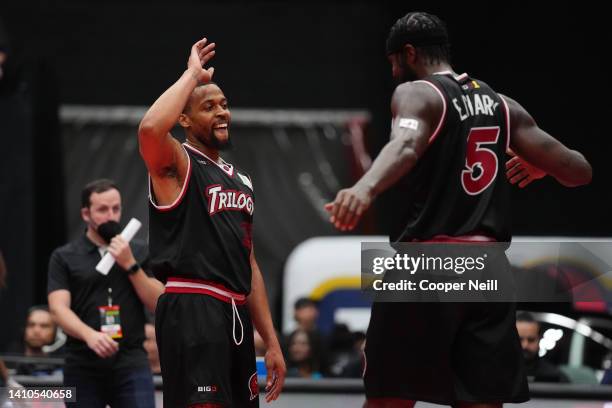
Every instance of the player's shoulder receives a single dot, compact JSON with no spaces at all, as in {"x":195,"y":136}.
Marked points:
{"x":509,"y":101}
{"x":517,"y":113}
{"x":190,"y":151}
{"x":420,"y":88}
{"x":416,"y":96}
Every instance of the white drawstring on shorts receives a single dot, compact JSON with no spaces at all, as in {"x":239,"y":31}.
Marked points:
{"x":234,"y":314}
{"x":184,"y":285}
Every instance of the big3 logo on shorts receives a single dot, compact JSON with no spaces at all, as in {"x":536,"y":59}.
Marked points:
{"x":207,"y":388}
{"x":253,"y":386}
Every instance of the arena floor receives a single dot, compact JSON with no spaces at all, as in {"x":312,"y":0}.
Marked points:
{"x":309,"y":400}
{"x":351,"y":400}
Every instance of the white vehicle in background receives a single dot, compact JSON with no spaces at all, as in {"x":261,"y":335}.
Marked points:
{"x":581,"y":347}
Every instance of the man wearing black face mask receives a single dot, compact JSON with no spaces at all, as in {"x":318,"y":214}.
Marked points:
{"x":103,"y":314}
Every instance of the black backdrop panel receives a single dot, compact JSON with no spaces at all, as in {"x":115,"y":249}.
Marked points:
{"x":16,"y":210}
{"x":548,"y":56}
{"x":31,"y":184}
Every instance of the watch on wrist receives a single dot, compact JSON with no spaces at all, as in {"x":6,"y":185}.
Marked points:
{"x":133,"y":269}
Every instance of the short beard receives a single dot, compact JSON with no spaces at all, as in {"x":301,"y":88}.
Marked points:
{"x":216,"y":144}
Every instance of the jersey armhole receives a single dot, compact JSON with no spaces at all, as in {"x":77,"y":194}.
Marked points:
{"x":443,"y":118}
{"x":507,"y":116}
{"x":178,"y":199}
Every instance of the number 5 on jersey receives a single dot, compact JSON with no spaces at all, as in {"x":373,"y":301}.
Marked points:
{"x":480,"y":162}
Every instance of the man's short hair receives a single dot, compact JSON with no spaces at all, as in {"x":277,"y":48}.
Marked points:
{"x":201,"y":84}
{"x":304,"y":302}
{"x":36,"y":308}
{"x":43,"y":308}
{"x":526,"y":317}
{"x":426,"y":32}
{"x":96,"y":186}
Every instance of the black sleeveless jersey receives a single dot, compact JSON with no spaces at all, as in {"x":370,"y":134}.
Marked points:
{"x":206,"y":233}
{"x":458,"y":187}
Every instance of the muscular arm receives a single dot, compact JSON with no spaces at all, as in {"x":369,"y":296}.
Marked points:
{"x":543,"y":151}
{"x":162,"y":153}
{"x":259,"y":308}
{"x":412,"y":103}
{"x":262,"y":320}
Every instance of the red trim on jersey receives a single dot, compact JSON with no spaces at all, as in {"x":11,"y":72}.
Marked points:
{"x":178,"y":199}
{"x":437,"y":131}
{"x":507,"y":114}
{"x":230,"y":167}
{"x":598,"y":306}
{"x":203,"y":287}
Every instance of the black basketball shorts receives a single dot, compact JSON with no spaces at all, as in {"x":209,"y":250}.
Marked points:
{"x":200,"y":360}
{"x":444,"y":353}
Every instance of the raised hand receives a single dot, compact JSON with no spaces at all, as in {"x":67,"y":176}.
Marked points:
{"x":201,"y":53}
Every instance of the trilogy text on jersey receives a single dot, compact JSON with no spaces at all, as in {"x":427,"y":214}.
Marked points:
{"x":228,"y":200}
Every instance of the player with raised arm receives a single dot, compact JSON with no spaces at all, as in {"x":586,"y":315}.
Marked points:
{"x":201,"y":214}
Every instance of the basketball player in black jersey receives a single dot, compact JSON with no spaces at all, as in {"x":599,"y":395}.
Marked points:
{"x":449,"y":138}
{"x":200,"y":221}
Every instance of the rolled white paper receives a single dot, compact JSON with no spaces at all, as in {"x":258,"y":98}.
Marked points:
{"x":107,"y":261}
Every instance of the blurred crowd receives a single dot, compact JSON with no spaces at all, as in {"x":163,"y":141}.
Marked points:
{"x":312,"y":354}
{"x":38,"y":350}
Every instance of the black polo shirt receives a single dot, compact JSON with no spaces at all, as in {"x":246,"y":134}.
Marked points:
{"x":73,"y":267}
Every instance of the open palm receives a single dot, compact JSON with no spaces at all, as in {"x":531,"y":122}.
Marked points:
{"x":201,"y":53}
